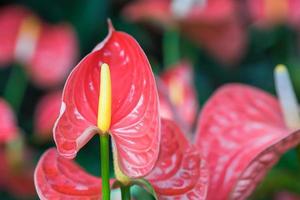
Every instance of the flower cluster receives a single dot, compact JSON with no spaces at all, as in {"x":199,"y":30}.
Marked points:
{"x":241,"y":131}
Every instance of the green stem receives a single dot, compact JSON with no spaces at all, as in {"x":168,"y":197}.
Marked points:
{"x":15,"y":88}
{"x":125,"y":191}
{"x":104,"y":145}
{"x":171,"y":47}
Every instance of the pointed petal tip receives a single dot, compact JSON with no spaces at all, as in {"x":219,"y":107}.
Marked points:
{"x":111,"y":27}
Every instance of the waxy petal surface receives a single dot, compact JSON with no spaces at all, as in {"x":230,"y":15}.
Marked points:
{"x":179,"y":81}
{"x":242,"y":135}
{"x":180,"y":172}
{"x":46,"y":114}
{"x":135,"y":123}
{"x":58,"y":178}
{"x":8,"y":128}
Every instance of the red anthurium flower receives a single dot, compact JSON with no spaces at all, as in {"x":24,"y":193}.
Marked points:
{"x":268,"y":12}
{"x":180,"y":172}
{"x":134,"y":123}
{"x":179,"y":82}
{"x":242,"y":134}
{"x":213,"y":24}
{"x":8,"y":128}
{"x":46,"y":114}
{"x":47,"y":51}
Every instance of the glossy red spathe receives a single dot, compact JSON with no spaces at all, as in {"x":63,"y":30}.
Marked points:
{"x":242,"y":134}
{"x":135,"y":123}
{"x":58,"y":178}
{"x":180,"y":172}
{"x":46,"y":113}
{"x":8,"y":127}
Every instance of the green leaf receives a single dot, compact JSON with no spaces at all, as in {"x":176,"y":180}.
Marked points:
{"x":146,"y":185}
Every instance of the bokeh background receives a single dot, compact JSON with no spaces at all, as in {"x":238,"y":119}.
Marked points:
{"x":218,"y":53}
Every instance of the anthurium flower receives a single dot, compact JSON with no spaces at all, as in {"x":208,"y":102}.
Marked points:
{"x":47,"y":51}
{"x":242,"y":134}
{"x":126,"y":106}
{"x":213,"y":24}
{"x":8,"y":127}
{"x":10,"y":20}
{"x":46,"y":113}
{"x":268,"y":13}
{"x":180,"y":173}
{"x":179,"y":82}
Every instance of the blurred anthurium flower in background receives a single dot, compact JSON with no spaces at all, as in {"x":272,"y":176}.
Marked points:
{"x":133,"y":120}
{"x":178,"y":99}
{"x":241,"y":134}
{"x":46,"y":51}
{"x":268,"y":13}
{"x":8,"y":128}
{"x":213,"y":24}
{"x":46,"y":114}
{"x":180,"y":172}
{"x":15,"y":173}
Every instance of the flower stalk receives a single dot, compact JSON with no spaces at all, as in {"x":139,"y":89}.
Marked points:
{"x":171,"y":47}
{"x":125,"y":192}
{"x":104,"y":145}
{"x":15,"y":87}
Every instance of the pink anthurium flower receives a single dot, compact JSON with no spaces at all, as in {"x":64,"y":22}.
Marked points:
{"x":127,"y":109}
{"x":179,"y":82}
{"x":242,"y":134}
{"x":268,"y":13}
{"x":180,"y":173}
{"x":213,"y":24}
{"x":46,"y":113}
{"x":8,"y":127}
{"x":46,"y":51}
